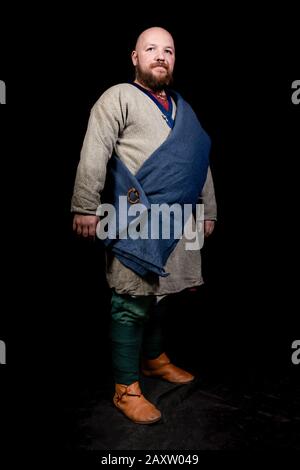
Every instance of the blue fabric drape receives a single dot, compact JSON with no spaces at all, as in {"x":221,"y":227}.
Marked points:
{"x":174,"y":173}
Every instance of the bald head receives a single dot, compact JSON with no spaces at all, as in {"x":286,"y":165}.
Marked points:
{"x":151,"y":34}
{"x":154,"y":58}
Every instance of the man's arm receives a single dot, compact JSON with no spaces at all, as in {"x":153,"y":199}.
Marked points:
{"x":105,"y":123}
{"x":210,"y":206}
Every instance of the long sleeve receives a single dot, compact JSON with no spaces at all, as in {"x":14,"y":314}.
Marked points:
{"x":105,"y":123}
{"x":208,"y":198}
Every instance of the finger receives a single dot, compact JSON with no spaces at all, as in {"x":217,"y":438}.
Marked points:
{"x":74,"y":224}
{"x":92,"y":230}
{"x":85,"y":231}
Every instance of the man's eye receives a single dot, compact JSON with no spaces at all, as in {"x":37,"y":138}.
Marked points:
{"x":150,"y":49}
{"x":169,"y":51}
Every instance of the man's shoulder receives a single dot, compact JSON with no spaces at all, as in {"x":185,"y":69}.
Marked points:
{"x":116,"y":92}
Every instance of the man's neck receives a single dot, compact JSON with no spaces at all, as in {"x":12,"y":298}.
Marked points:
{"x":160,"y":93}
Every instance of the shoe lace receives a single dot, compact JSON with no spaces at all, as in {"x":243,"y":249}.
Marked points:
{"x":119,"y":397}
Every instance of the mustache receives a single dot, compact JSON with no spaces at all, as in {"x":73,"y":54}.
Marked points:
{"x":159,"y":64}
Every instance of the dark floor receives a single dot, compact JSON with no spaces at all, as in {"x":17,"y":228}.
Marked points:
{"x":201,"y":416}
{"x":246,"y":397}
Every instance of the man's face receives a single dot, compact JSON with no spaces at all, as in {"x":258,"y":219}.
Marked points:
{"x":154,"y":58}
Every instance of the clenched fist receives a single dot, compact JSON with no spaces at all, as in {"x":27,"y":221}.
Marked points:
{"x":85,"y":225}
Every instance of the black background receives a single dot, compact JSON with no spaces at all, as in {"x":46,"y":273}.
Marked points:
{"x":237,"y":75}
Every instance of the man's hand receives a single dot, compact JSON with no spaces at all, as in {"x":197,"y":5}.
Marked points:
{"x":85,"y":225}
{"x":209,"y":226}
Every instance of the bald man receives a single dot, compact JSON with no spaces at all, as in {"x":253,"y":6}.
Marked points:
{"x":132,"y":121}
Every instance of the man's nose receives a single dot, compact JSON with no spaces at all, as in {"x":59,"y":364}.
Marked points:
{"x":160,"y":56}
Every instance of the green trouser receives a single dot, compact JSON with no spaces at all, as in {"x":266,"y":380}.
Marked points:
{"x":135,"y":328}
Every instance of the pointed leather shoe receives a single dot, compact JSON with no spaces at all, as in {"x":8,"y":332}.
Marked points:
{"x":162,"y":367}
{"x":130,"y":400}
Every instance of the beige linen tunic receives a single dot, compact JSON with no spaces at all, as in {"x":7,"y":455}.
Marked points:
{"x":125,"y":121}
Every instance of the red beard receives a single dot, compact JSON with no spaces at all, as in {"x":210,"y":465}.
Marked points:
{"x":154,"y":82}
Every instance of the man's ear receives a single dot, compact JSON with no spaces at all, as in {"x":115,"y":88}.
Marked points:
{"x":134,"y":57}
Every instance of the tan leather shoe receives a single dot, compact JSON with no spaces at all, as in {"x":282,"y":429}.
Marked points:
{"x":130,"y":400}
{"x":163,"y":368}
